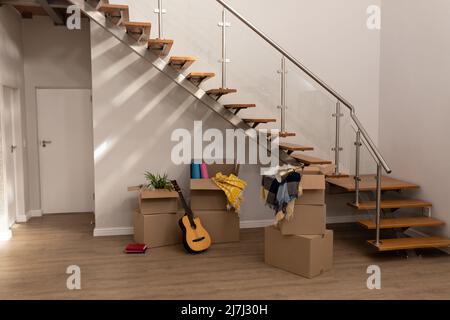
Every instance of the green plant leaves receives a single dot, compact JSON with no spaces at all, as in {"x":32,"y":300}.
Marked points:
{"x":156,"y":181}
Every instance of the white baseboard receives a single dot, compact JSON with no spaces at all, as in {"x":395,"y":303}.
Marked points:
{"x":119,"y":231}
{"x":419,"y":234}
{"x":35,"y":213}
{"x":21,"y":218}
{"x":5,"y":235}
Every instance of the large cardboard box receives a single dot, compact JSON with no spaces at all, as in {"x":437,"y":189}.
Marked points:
{"x":305,"y":255}
{"x":208,"y":200}
{"x":307,"y":220}
{"x":313,"y":186}
{"x":158,"y":201}
{"x":222,"y":225}
{"x":156,"y":230}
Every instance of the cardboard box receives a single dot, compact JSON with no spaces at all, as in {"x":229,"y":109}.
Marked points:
{"x":222,"y":225}
{"x":208,"y":200}
{"x":158,"y":201}
{"x":305,"y":255}
{"x":313,"y":190}
{"x":307,"y":220}
{"x":157,"y":230}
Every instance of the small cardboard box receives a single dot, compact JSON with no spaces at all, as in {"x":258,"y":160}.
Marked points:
{"x":222,"y":225}
{"x":307,"y":220}
{"x":158,"y":201}
{"x":208,"y":200}
{"x":305,"y":255}
{"x":157,"y":230}
{"x":313,"y":187}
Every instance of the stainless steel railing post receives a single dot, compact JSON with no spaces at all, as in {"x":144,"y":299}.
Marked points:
{"x":283,"y":105}
{"x":160,"y":11}
{"x":224,"y":24}
{"x":378,"y":203}
{"x":337,"y":143}
{"x":358,"y":145}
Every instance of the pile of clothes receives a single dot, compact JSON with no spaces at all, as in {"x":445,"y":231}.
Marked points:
{"x":280,"y":190}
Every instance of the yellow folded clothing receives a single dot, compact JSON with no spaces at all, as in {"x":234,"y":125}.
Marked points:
{"x":233,"y":188}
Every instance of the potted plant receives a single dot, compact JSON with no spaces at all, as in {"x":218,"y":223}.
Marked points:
{"x":157,"y":195}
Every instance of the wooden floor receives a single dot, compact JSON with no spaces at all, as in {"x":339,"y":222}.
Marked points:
{"x":33,"y":265}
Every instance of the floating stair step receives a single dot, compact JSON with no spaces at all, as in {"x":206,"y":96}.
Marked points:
{"x":309,"y":160}
{"x":181,"y":63}
{"x":286,"y":134}
{"x":410,"y":243}
{"x":198,"y":77}
{"x":254,"y":122}
{"x":218,"y":93}
{"x":138,"y":30}
{"x":392,"y":204}
{"x":291,"y":147}
{"x":114,"y":10}
{"x":239,"y":107}
{"x":368,"y":183}
{"x":161,"y":47}
{"x":337,"y":176}
{"x":409,"y":222}
{"x":280,"y":134}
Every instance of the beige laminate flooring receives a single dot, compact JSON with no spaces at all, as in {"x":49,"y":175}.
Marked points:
{"x":34,"y":262}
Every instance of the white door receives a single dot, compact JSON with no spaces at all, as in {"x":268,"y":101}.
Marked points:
{"x":66,"y":156}
{"x":9,"y":151}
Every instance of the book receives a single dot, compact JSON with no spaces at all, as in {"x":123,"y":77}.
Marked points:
{"x":135,"y":248}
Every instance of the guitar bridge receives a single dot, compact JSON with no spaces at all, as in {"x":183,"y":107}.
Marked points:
{"x":198,"y":239}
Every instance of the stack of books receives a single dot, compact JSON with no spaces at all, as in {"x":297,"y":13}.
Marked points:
{"x":135,"y":248}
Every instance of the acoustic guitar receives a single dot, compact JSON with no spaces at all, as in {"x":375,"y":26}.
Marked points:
{"x":195,"y":238}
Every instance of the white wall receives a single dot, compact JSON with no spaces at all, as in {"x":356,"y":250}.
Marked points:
{"x":329,"y":37}
{"x":54,"y":58}
{"x":415,"y":98}
{"x":11,"y":74}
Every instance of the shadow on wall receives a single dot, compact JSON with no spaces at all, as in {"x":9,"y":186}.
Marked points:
{"x":135,"y":110}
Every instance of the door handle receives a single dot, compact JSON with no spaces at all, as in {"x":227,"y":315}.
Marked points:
{"x":13,"y":148}
{"x":45,"y":143}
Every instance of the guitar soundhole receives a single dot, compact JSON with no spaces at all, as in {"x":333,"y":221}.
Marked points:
{"x":198,"y":239}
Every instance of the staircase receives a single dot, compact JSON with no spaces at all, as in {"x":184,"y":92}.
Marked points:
{"x":367,"y":184}
{"x":115,"y":19}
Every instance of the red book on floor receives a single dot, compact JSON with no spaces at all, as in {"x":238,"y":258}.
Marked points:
{"x":135,"y":248}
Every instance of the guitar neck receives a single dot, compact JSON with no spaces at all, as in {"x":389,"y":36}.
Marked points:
{"x":187,"y":209}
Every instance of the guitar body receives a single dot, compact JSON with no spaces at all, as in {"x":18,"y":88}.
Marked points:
{"x":195,"y":239}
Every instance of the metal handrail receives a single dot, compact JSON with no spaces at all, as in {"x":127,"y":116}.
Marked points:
{"x":376,"y":152}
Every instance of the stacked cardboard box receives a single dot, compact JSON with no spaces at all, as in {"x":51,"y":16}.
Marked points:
{"x":156,"y":220}
{"x":209,"y":203}
{"x":302,"y":245}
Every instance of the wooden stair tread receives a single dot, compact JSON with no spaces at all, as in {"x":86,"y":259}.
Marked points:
{"x":294,"y":147}
{"x":259,"y":120}
{"x":198,"y":77}
{"x":410,"y":243}
{"x":239,"y":106}
{"x":392,"y":204}
{"x":111,"y":8}
{"x":392,"y":223}
{"x":286,"y":134}
{"x":181,"y":63}
{"x":162,"y":46}
{"x":137,"y":24}
{"x":309,"y":160}
{"x":368,"y":183}
{"x":220,"y":91}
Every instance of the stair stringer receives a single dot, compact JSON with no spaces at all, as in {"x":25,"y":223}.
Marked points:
{"x":162,"y":66}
